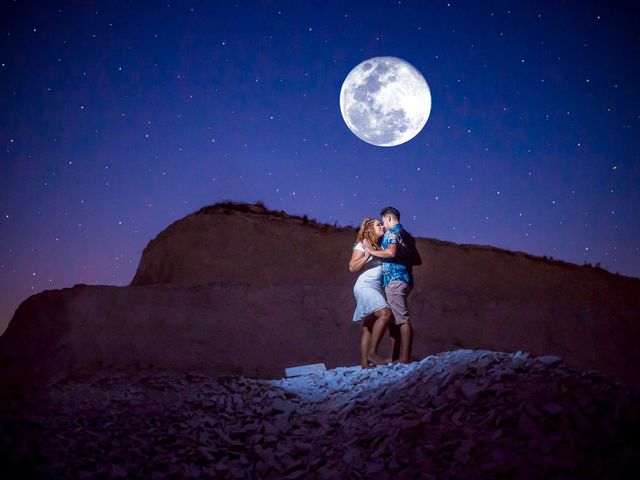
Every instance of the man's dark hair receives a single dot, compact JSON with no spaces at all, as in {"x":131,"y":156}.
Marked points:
{"x":390,"y":211}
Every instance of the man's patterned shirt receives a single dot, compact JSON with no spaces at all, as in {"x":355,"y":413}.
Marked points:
{"x":392,"y":270}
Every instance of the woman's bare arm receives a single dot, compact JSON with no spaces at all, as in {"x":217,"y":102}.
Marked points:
{"x":358,"y":259}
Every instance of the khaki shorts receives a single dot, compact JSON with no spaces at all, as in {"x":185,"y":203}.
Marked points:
{"x":397,"y":293}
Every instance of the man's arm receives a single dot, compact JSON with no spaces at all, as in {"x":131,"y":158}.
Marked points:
{"x":388,"y":252}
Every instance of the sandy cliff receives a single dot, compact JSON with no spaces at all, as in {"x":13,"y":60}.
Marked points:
{"x":239,"y":289}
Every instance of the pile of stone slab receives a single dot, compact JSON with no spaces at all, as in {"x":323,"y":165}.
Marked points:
{"x":463,"y":414}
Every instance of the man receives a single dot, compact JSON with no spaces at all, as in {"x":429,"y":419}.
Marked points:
{"x":399,"y":254}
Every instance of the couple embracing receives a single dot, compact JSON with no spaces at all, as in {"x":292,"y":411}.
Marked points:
{"x":386,"y":252}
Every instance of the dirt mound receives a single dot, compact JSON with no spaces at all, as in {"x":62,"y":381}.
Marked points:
{"x":247,"y":244}
{"x":241,"y":289}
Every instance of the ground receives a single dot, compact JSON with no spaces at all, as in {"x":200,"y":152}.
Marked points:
{"x":461,"y":414}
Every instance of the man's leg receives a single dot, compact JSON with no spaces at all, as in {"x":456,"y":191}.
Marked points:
{"x":406,"y":337}
{"x":394,"y":340}
{"x":383,"y":317}
{"x":397,"y":293}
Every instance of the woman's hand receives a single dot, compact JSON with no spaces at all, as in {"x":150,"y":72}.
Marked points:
{"x":367,"y":247}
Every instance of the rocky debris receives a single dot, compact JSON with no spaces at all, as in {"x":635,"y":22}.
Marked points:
{"x":463,"y":414}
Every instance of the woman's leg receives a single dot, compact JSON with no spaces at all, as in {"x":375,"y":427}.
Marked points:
{"x":383,"y":317}
{"x":364,"y":347}
{"x":365,"y":340}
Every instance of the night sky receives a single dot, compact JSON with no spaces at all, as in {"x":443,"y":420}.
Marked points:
{"x":118,"y":118}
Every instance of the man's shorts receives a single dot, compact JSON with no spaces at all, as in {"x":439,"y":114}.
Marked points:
{"x":397,"y":293}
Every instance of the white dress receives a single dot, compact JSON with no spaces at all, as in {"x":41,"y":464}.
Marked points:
{"x":368,"y":289}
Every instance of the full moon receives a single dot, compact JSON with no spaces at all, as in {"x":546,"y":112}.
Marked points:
{"x":385,"y":101}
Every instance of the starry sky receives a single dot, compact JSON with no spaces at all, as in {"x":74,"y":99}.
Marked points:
{"x":118,"y":118}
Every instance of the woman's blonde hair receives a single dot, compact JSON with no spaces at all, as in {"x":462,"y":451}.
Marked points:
{"x":367,"y":232}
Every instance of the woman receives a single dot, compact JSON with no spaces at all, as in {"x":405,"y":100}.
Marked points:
{"x":370,"y":302}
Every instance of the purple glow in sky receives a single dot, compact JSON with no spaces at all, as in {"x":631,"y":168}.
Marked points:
{"x":118,"y":118}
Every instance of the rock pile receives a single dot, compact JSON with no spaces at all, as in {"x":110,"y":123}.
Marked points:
{"x":463,"y":414}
